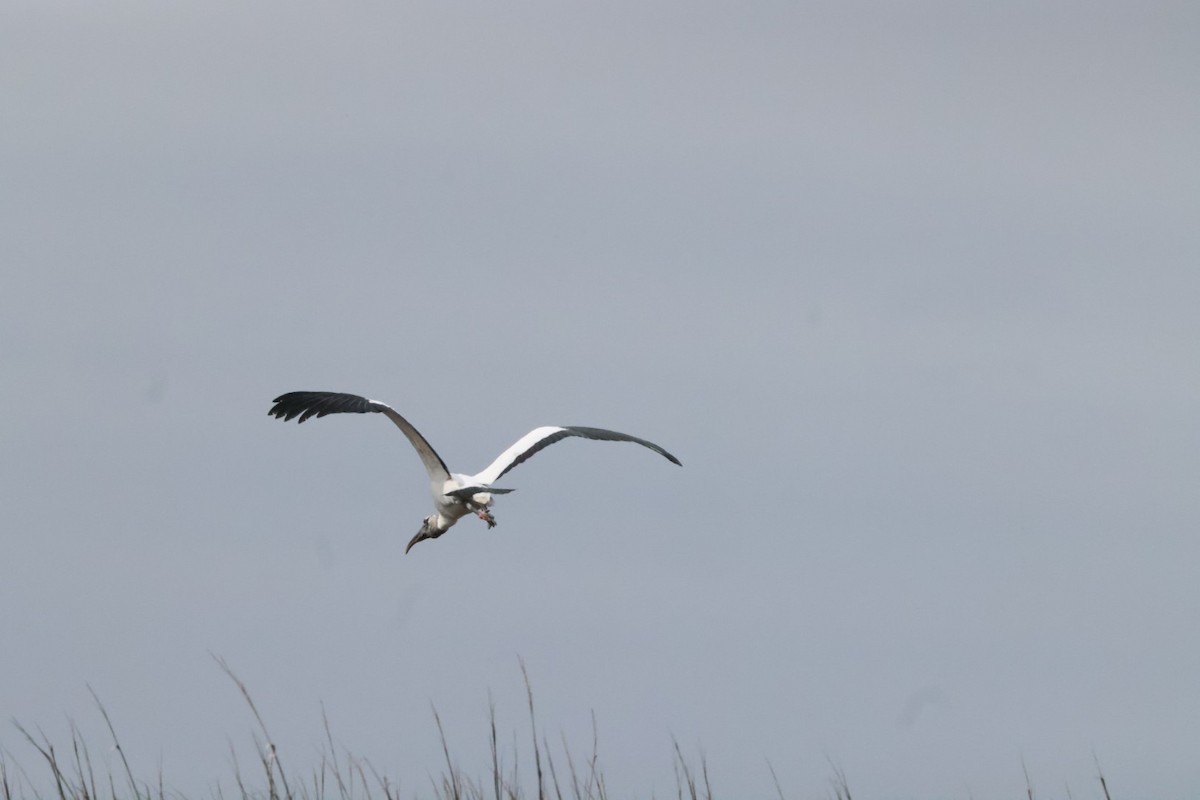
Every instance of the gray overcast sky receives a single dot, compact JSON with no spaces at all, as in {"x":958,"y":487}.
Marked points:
{"x":911,"y":289}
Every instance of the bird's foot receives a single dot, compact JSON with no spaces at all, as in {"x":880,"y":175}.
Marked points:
{"x":487,"y":517}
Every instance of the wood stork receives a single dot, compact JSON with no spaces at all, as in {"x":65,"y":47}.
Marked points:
{"x":454,"y":494}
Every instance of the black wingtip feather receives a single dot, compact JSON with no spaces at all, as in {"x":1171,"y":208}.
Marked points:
{"x":318,"y":404}
{"x":615,"y":436}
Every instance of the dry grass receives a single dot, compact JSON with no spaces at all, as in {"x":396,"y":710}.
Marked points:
{"x":69,"y":774}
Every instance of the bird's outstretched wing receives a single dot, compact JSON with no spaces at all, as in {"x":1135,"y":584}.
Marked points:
{"x":318,"y":404}
{"x":540,"y":438}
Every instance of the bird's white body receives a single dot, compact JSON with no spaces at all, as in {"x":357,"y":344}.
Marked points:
{"x":454,"y":494}
{"x":450,"y":509}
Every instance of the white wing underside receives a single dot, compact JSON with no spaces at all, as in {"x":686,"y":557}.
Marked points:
{"x":512,"y":455}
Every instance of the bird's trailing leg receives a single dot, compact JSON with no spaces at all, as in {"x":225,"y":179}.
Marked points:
{"x":478,"y":500}
{"x":482,"y":511}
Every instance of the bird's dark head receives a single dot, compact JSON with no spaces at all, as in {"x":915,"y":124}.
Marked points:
{"x":430,"y":529}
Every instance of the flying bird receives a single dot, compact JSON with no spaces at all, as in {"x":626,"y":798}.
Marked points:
{"x":454,"y":495}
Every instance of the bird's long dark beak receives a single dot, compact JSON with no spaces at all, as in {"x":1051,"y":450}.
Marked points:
{"x":422,"y":535}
